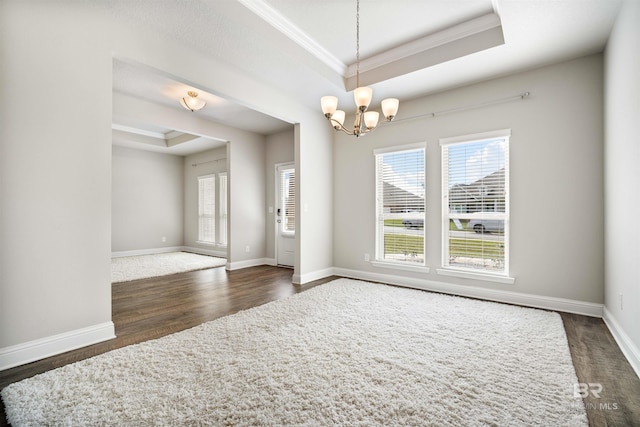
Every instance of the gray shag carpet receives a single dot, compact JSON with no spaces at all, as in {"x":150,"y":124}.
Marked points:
{"x":129,"y":268}
{"x":347,"y":353}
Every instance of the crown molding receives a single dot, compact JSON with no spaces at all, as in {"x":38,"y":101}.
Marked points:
{"x":448,"y":35}
{"x":136,"y":131}
{"x":293,"y":32}
{"x":459,"y":40}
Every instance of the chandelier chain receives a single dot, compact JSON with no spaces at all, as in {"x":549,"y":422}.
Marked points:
{"x":358,"y":43}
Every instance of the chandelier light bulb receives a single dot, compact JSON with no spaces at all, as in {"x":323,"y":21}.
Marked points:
{"x":337,"y":119}
{"x":362,"y":96}
{"x":329,"y":105}
{"x":390,"y":108}
{"x":371,"y":119}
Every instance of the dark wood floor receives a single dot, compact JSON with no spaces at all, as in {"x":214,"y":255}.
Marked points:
{"x":152,"y":308}
{"x":599,"y":360}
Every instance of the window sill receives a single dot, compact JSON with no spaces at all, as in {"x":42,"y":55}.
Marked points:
{"x":397,"y":266}
{"x":476,"y":276}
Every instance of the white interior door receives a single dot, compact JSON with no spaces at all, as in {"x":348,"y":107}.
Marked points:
{"x":286,"y":214}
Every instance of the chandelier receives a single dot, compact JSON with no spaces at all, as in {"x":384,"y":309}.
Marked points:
{"x":191,"y":101}
{"x":365,"y":121}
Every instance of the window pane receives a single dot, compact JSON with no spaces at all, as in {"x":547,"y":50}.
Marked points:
{"x":288,"y":202}
{"x":222,"y":232}
{"x":206,"y":209}
{"x":476,"y":176}
{"x":475,"y":186}
{"x":400,"y":190}
{"x":479,"y":244}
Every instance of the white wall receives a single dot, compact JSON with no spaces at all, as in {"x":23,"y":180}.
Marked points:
{"x":556,"y":181}
{"x":207,"y":162}
{"x":56,"y":158}
{"x":55,"y":174}
{"x":279,"y":148}
{"x":622,"y":181}
{"x":314,"y":200}
{"x":147,"y":197}
{"x":247,"y":217}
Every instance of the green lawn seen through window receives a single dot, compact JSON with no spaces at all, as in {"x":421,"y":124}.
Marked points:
{"x":414,"y":245}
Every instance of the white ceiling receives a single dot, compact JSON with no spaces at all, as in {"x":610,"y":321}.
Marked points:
{"x":303,"y":47}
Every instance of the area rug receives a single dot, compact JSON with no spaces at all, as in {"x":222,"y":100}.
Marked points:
{"x":125,"y":269}
{"x":346,"y":353}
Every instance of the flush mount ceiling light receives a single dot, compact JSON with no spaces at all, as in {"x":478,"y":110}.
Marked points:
{"x":191,"y":101}
{"x":366,"y":121}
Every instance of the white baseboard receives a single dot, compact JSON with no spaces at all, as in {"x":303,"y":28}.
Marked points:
{"x":150,"y":251}
{"x":529,"y":300}
{"x":237,"y":265}
{"x":45,"y":347}
{"x":628,"y":347}
{"x":221,"y":253}
{"x":301,"y":279}
{"x":212,"y":252}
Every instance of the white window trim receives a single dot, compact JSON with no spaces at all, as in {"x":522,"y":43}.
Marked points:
{"x":475,"y":137}
{"x":405,"y":266}
{"x":217,"y":220}
{"x":406,"y":147}
{"x":476,"y":275}
{"x":222,"y":217}
{"x":202,"y":178}
{"x":461,"y":272}
{"x":285,"y":166}
{"x":398,"y":266}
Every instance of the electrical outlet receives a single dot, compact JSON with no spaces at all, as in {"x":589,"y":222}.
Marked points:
{"x":247,"y":248}
{"x":164,"y":239}
{"x":620,"y":294}
{"x":366,"y":257}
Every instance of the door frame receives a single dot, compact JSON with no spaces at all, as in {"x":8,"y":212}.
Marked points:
{"x":276,"y":224}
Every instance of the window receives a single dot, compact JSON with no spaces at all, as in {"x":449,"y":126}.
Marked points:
{"x":288,"y":200}
{"x":400,"y":205}
{"x":212,"y":209}
{"x":475,"y":209}
{"x":207,"y":209}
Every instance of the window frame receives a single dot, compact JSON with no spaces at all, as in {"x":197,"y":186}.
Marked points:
{"x":220,"y":209}
{"x":468,"y":272}
{"x":284,"y":203}
{"x":379,"y":260}
{"x":201,"y":180}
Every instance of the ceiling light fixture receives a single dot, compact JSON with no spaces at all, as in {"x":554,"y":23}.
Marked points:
{"x":191,"y":101}
{"x":366,"y":121}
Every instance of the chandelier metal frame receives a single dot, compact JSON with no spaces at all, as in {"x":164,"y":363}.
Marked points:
{"x":365,"y":121}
